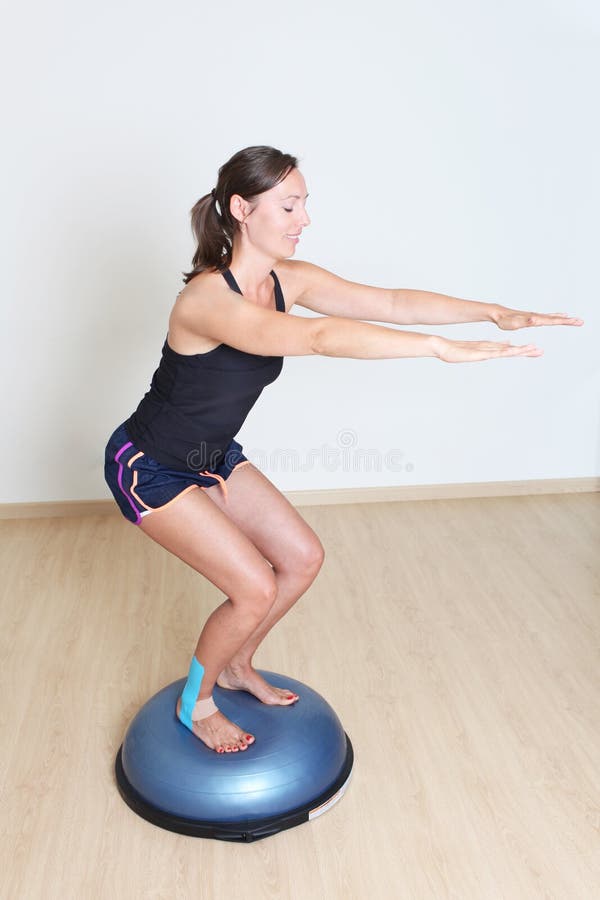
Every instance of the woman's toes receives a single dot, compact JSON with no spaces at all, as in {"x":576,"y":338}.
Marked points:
{"x":220,"y":727}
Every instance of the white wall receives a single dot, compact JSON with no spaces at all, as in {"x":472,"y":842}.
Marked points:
{"x":447,"y":147}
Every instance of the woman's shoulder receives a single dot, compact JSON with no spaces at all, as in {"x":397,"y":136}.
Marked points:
{"x":294,"y":276}
{"x":179,"y":339}
{"x":203,"y":281}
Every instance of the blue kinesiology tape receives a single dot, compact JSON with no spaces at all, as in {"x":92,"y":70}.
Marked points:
{"x":190,"y":692}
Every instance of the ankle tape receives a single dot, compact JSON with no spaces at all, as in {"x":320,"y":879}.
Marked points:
{"x":203,"y":709}
{"x":191,"y":708}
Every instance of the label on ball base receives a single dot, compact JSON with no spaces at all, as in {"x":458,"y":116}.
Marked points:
{"x":318,"y":810}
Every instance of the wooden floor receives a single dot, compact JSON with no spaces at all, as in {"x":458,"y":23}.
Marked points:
{"x":458,"y":641}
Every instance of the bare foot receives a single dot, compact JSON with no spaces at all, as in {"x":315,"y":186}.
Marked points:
{"x":219,"y":734}
{"x":248,"y":679}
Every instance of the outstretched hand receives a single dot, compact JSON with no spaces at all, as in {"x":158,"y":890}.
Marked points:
{"x":511,"y":319}
{"x":473,"y":351}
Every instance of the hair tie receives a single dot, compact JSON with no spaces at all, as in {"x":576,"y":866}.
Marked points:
{"x":215,"y":203}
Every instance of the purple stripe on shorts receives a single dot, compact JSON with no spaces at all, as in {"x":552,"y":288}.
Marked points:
{"x":138,"y":518}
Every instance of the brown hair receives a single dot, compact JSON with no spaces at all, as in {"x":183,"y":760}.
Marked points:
{"x":248,"y":173}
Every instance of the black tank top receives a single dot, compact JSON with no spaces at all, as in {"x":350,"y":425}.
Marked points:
{"x":197,"y":403}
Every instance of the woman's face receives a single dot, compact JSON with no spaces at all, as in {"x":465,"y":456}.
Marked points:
{"x":275,"y":223}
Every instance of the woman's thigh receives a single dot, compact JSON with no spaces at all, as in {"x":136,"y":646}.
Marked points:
{"x":196,"y":531}
{"x":268,"y":520}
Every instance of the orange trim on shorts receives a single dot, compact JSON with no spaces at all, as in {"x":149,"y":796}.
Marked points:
{"x":137,"y":497}
{"x":220,"y":480}
{"x":190,"y":487}
{"x":133,"y":492}
{"x":150,"y":509}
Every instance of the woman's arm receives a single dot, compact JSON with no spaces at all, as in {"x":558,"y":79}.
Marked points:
{"x":324,"y":292}
{"x":417,"y":307}
{"x":224,"y":316}
{"x":337,"y":336}
{"x":427,"y":308}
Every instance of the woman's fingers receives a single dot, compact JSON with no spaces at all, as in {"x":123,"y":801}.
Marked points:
{"x":527,"y":350}
{"x":511,"y":320}
{"x":557,"y":319}
{"x":474,"y":351}
{"x":515,"y":348}
{"x":497,"y":346}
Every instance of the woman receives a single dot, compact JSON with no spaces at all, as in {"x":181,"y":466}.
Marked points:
{"x":238,"y":530}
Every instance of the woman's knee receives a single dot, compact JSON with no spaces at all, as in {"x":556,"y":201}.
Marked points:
{"x":317,"y":554}
{"x":306,"y":559}
{"x":258,"y":594}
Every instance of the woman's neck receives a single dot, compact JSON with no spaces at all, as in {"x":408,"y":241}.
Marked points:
{"x":253,"y":274}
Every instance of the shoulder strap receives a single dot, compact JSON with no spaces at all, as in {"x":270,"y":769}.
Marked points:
{"x":228,"y":276}
{"x":279,"y":301}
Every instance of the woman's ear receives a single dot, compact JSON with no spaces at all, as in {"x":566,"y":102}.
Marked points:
{"x":239,"y":207}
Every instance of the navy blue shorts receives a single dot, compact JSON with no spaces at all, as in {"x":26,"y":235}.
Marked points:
{"x":140,"y":484}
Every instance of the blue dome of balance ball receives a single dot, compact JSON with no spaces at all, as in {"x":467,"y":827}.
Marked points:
{"x":298,"y":766}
